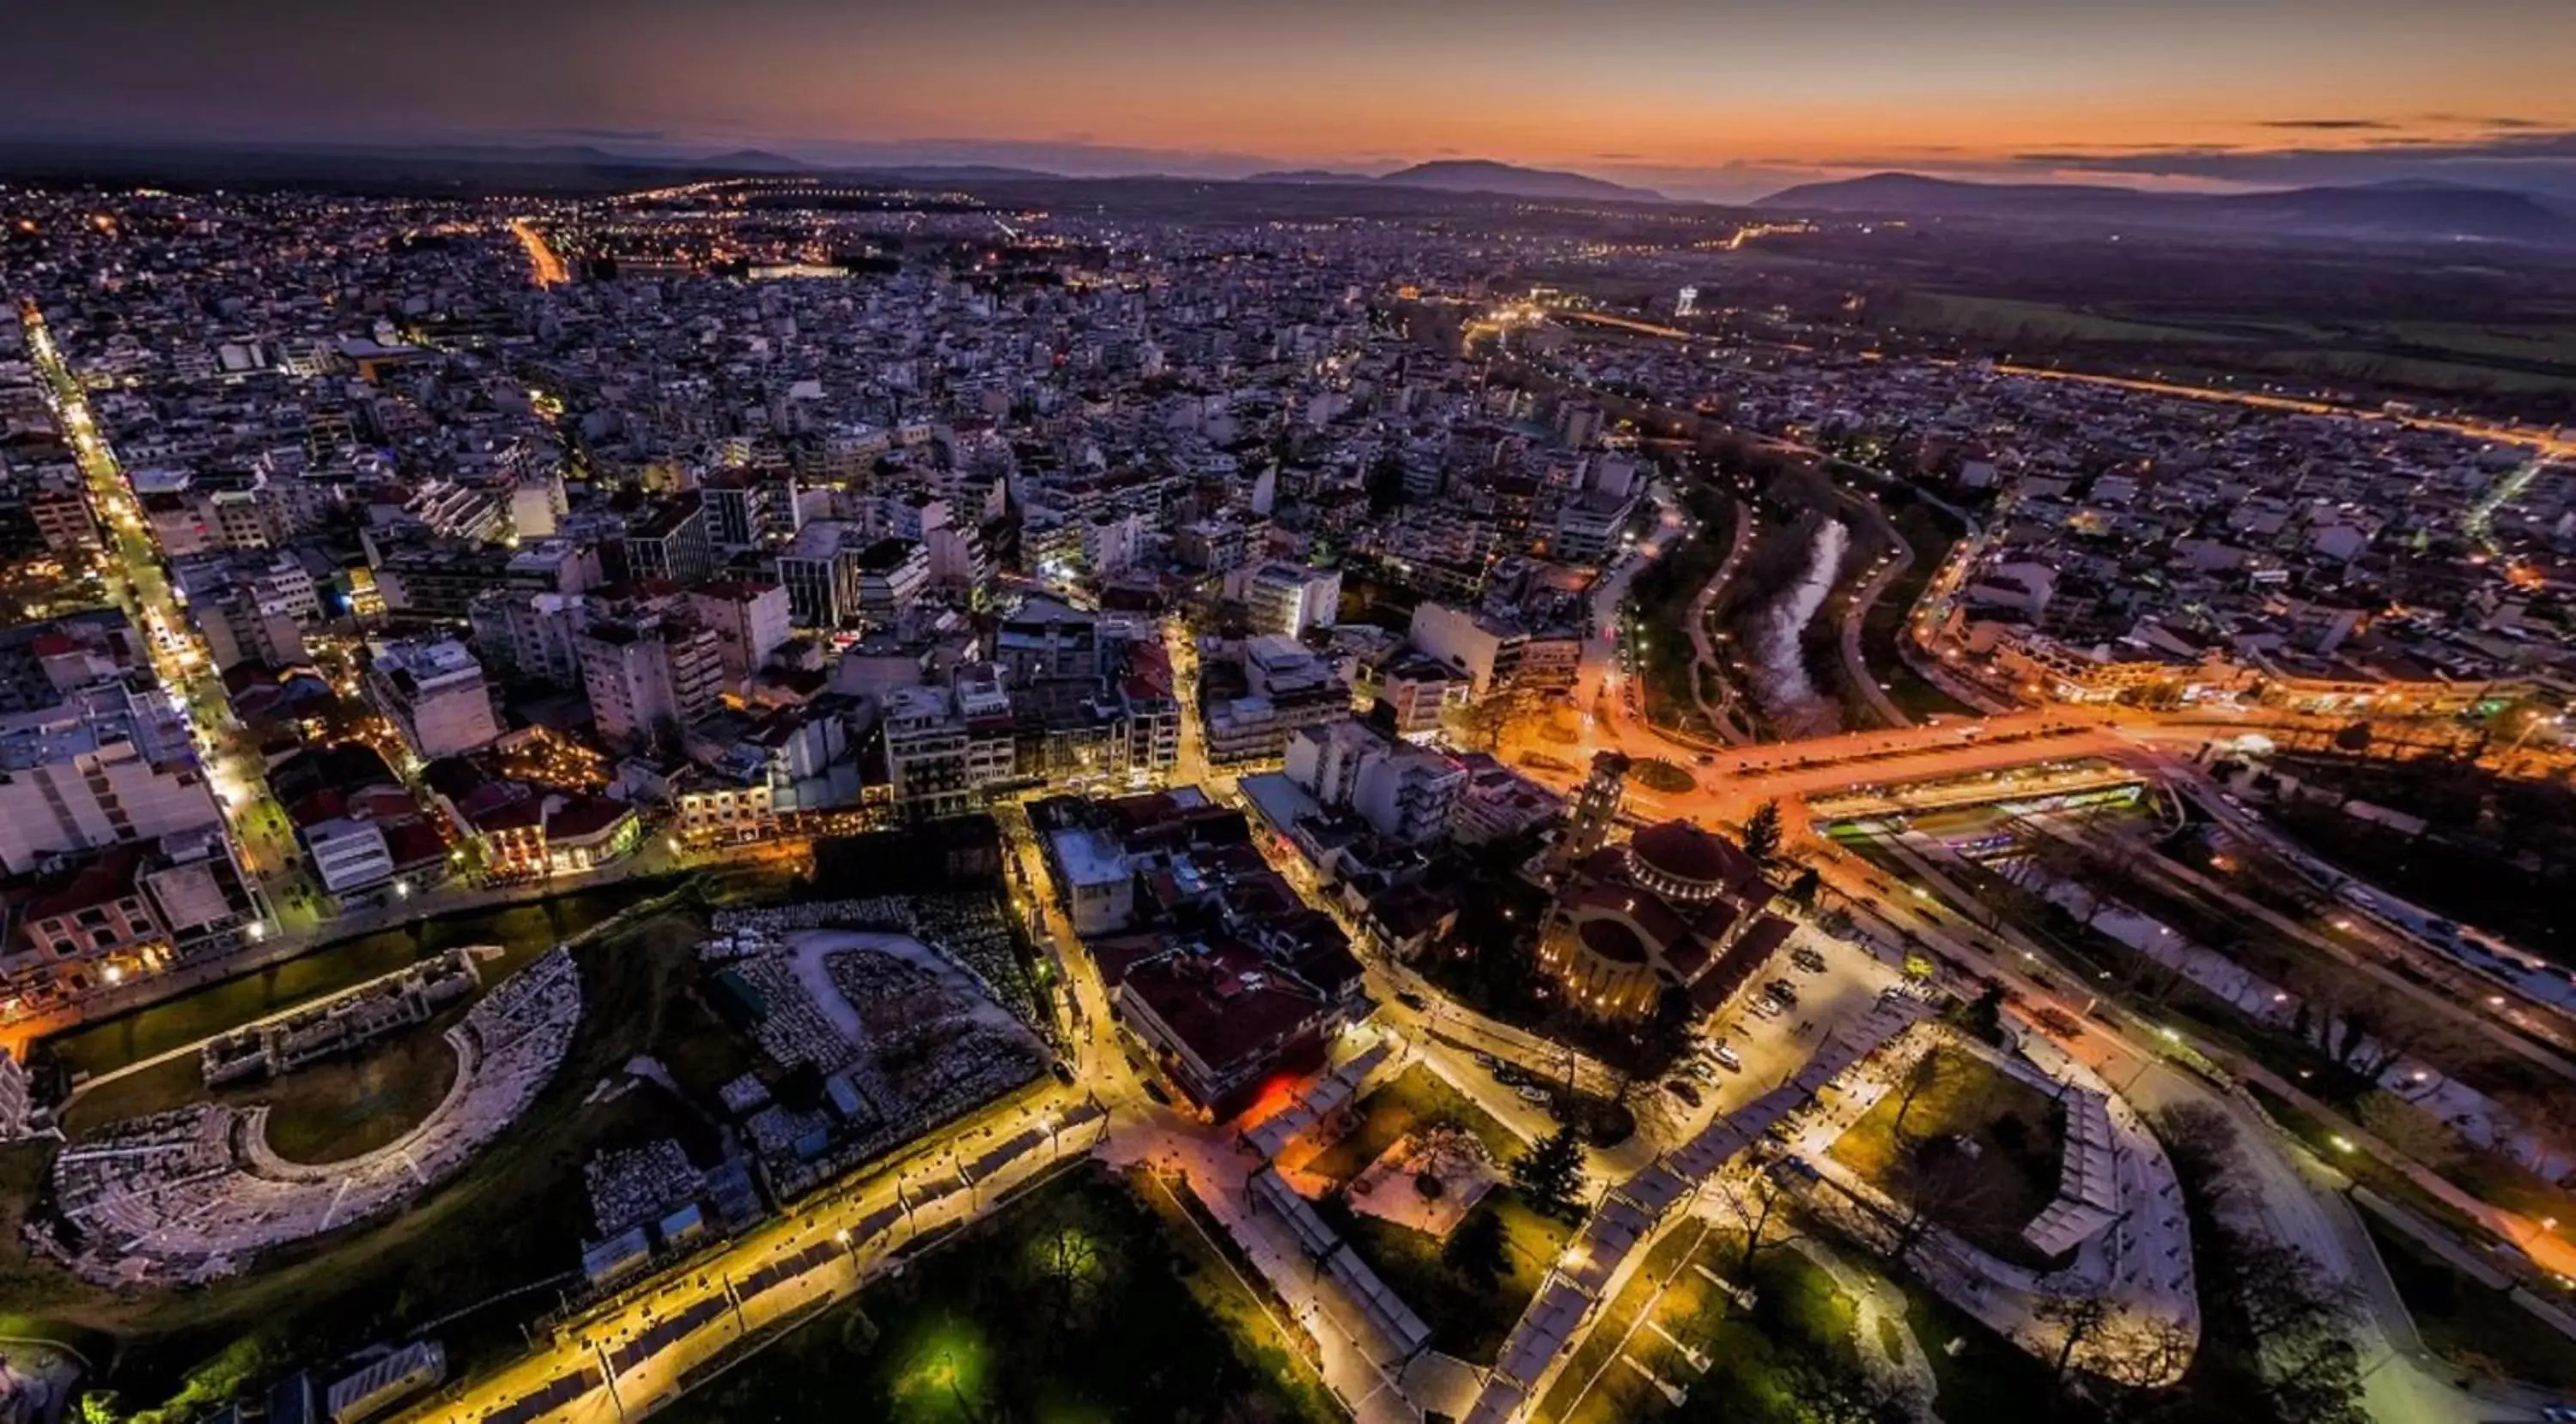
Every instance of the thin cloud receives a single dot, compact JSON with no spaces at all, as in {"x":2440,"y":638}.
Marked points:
{"x":604,"y":135}
{"x":2327,"y":125}
{"x":2505,"y":123}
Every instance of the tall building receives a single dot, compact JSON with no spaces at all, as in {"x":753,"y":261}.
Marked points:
{"x":750,"y":620}
{"x":822,"y":580}
{"x":433,"y":690}
{"x":1405,"y":792}
{"x":1486,"y":650}
{"x":1596,"y":810}
{"x":927,"y":748}
{"x":648,"y":678}
{"x":1288,"y":599}
{"x":892,"y":575}
{"x":669,"y":542}
{"x":104,"y":767}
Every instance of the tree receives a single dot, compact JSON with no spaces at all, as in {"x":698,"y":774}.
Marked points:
{"x":2139,"y":1352}
{"x":1756,"y":1207}
{"x":1550,"y":1175}
{"x":1762,"y":833}
{"x":1069,"y":1257}
{"x":2408,"y":1128}
{"x":1981,"y":1018}
{"x":2079,"y":1318}
{"x":2354,"y":738}
{"x":2547,"y":1120}
{"x":1481,"y":722}
{"x":1666,"y":1034}
{"x":1478,"y":1251}
{"x":1929,"y":1071}
{"x":2283,"y":1293}
{"x":1930,"y":1178}
{"x":1802,"y":890}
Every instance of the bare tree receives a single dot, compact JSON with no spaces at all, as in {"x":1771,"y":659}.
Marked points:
{"x":1932,"y":1182}
{"x":2284,"y":1293}
{"x":1929,"y":1071}
{"x":2139,"y":1352}
{"x":2548,"y":1118}
{"x":1758,"y":1208}
{"x":2080,"y":1317}
{"x":2408,"y":1128}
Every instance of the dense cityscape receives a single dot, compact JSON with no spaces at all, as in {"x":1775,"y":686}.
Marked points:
{"x":741,"y":790}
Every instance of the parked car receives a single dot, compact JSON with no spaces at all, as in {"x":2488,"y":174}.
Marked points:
{"x":1531,"y":1094}
{"x":1784,"y":991}
{"x":1725,"y":1057}
{"x":1412,"y":1000}
{"x":1682,"y":1090}
{"x":1768,"y":1008}
{"x":1807,"y":959}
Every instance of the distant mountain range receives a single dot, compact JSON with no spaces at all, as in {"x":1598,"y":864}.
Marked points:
{"x":2407,"y":211}
{"x":1475,"y":175}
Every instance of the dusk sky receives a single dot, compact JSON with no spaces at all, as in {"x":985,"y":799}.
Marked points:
{"x":1706,"y":96}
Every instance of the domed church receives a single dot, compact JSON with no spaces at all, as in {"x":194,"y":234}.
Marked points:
{"x":1674,"y":907}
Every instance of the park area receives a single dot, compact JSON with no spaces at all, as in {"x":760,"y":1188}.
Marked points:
{"x":1696,"y":1335}
{"x":1972,"y":1147}
{"x":1095,"y":1297}
{"x":1470,"y":1299}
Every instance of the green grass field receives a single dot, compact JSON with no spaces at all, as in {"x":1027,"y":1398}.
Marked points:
{"x":1675,"y":1326}
{"x":1991,"y":1189}
{"x":1414,"y":1098}
{"x":1079,"y":1302}
{"x":1465,"y":1321}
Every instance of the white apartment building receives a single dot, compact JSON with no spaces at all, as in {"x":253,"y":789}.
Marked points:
{"x":750,"y":621}
{"x":649,"y":678}
{"x":1287,"y":599}
{"x":104,"y":767}
{"x":433,"y":690}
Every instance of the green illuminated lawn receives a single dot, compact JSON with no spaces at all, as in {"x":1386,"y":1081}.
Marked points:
{"x":1082,"y":1302}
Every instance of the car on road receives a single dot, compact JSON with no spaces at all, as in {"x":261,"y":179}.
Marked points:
{"x":1706,"y":759}
{"x":1530,"y":1093}
{"x":1682,"y":1090}
{"x":1725,"y":1057}
{"x":1488,"y":1062}
{"x":1698,"y":1068}
{"x":1063,"y":1071}
{"x":1412,"y":1000}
